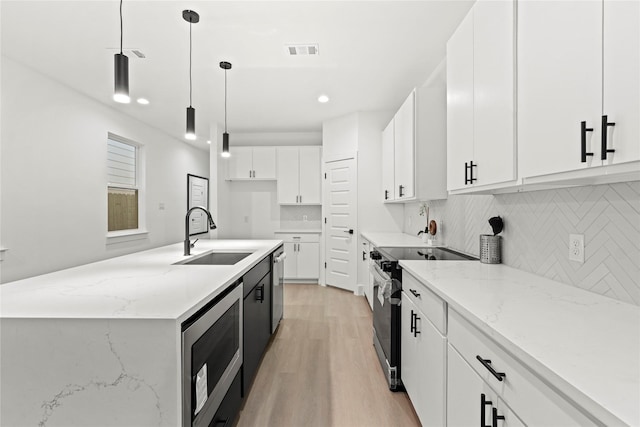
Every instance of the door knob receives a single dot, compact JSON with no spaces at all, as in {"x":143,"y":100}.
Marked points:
{"x":350,"y":231}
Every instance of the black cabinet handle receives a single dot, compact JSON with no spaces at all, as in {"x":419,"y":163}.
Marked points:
{"x":260,"y":293}
{"x":364,"y":255}
{"x":487,"y":364}
{"x":495,"y":417}
{"x":471,"y":166}
{"x":468,"y":173}
{"x":400,"y":188}
{"x":605,"y":127}
{"x":583,"y":142}
{"x":414,"y":292}
{"x":483,"y":402}
{"x":415,"y":325}
{"x":412,"y":322}
{"x":386,"y":194}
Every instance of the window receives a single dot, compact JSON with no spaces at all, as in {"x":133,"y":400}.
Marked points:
{"x":123,"y":188}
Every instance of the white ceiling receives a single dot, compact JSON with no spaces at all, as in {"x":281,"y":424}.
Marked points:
{"x":371,"y":54}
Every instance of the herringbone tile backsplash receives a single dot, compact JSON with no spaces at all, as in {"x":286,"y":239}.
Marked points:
{"x":537,"y":228}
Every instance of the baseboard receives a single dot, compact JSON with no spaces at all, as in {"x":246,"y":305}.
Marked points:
{"x":359,"y":290}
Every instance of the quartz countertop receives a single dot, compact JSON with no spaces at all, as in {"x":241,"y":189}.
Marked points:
{"x":586,"y":345}
{"x":395,"y":240}
{"x":143,"y":285}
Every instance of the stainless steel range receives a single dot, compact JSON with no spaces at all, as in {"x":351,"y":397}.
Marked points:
{"x":387,"y":288}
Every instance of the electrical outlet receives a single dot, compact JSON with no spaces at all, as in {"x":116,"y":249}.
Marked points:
{"x":576,"y":247}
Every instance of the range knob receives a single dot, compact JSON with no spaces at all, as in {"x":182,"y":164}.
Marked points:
{"x":387,"y":266}
{"x":375,"y":255}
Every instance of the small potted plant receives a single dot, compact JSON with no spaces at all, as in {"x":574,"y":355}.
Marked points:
{"x":429,"y":232}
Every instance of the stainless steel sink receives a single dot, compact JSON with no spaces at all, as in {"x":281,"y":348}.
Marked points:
{"x":216,"y":258}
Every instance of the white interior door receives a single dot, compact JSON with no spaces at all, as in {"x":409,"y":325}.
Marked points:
{"x":198,"y":190}
{"x":340,"y":234}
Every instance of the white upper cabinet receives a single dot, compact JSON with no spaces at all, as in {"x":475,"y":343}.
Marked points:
{"x":388,"y":162}
{"x":252,"y":163}
{"x":481,"y":98}
{"x":299,"y":175}
{"x":404,"y":155}
{"x":414,"y":149}
{"x":569,"y":78}
{"x":621,"y":78}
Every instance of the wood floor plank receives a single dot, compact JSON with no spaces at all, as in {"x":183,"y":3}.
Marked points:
{"x":320,"y":368}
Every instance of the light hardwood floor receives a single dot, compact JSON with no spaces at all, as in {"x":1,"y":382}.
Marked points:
{"x":321,"y":369}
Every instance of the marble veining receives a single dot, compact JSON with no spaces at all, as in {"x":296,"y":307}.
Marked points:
{"x":564,"y":333}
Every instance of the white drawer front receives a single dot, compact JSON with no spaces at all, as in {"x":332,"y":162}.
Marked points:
{"x":299,"y":238}
{"x":426,"y":301}
{"x":533,"y":401}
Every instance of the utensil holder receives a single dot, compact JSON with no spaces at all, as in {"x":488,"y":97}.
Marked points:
{"x":490,"y":252}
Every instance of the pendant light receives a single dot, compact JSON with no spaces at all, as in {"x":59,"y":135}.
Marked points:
{"x":121,"y":68}
{"x":225,"y":136}
{"x":192,"y":18}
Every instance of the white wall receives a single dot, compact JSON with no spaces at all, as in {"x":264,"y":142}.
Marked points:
{"x":53,"y":166}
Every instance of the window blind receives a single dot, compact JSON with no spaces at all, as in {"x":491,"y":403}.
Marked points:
{"x":121,"y":163}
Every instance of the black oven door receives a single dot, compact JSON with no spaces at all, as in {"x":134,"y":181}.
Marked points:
{"x":386,"y":324}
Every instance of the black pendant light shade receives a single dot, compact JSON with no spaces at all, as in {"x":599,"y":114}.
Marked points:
{"x":191,"y":123}
{"x":225,"y":136}
{"x":121,"y":72}
{"x":225,"y":145}
{"x":192,"y":18}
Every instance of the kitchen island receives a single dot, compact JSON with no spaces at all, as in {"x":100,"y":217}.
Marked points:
{"x":100,"y":344}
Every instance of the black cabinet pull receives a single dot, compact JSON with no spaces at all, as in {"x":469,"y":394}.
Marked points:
{"x":466,"y":173}
{"x":495,"y":417}
{"x":260,"y":293}
{"x":471,"y":166}
{"x":386,"y":194}
{"x":400,"y":192}
{"x":583,"y":142}
{"x":487,"y":364}
{"x":483,"y":402}
{"x":364,"y":255}
{"x":605,"y":127}
{"x":415,"y":325}
{"x":414,"y":292}
{"x":412,"y":323}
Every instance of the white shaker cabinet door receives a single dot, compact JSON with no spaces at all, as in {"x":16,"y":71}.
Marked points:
{"x":493,"y":92}
{"x":291,"y":262}
{"x":308,"y":260}
{"x":288,"y":178}
{"x":264,"y":162}
{"x":388,"y":162}
{"x":310,"y":174}
{"x":559,"y":84}
{"x":240,"y":163}
{"x":404,"y":143}
{"x":459,"y":103}
{"x":621,"y":79}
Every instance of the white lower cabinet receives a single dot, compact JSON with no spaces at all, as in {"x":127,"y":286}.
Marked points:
{"x":303,"y":256}
{"x":423,"y":364}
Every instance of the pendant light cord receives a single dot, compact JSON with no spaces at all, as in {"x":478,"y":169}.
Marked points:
{"x":190,"y":48}
{"x":120,"y":27}
{"x":225,"y":100}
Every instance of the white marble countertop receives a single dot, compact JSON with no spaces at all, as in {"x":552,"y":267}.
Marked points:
{"x":586,"y":345}
{"x":395,"y":240}
{"x":143,"y":285}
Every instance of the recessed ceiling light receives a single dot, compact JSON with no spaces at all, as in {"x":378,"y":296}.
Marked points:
{"x":323,"y":99}
{"x":143,"y":101}
{"x":208,"y":141}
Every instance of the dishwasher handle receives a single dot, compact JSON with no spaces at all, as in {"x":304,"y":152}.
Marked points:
{"x":280,"y":258}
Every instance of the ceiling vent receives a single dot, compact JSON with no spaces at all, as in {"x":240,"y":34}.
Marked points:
{"x":302,"y":49}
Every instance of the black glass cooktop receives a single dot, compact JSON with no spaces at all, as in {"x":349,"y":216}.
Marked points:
{"x":440,"y":254}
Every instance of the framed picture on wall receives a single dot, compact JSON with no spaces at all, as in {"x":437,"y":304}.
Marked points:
{"x":197,"y":195}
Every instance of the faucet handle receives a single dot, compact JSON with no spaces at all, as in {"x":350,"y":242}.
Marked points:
{"x":194,"y":243}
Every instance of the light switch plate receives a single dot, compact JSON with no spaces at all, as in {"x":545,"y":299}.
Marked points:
{"x":576,"y":247}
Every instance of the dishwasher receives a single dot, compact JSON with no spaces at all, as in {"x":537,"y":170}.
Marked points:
{"x":277,"y":287}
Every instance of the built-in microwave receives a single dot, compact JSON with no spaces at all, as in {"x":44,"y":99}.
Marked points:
{"x":211,"y":356}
